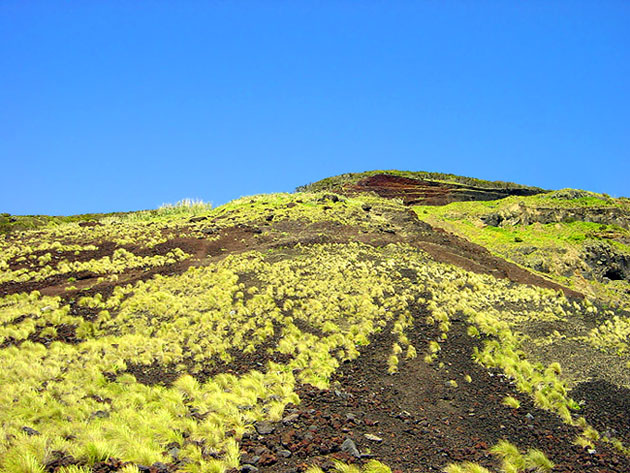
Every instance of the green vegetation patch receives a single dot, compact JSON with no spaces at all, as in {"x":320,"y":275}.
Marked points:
{"x":305,"y":207}
{"x":559,"y":243}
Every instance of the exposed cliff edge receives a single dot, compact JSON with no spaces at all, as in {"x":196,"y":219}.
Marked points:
{"x":522,"y":214}
{"x":421,"y":187}
{"x":428,"y":192}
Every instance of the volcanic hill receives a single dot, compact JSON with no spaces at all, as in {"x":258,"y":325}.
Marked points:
{"x":378,"y":322}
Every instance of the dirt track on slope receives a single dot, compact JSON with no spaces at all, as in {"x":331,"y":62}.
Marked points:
{"x":423,"y":421}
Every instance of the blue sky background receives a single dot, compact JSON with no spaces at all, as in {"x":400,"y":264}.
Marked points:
{"x":126,"y":105}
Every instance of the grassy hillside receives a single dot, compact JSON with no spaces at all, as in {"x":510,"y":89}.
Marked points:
{"x":577,"y":238}
{"x":304,"y":332}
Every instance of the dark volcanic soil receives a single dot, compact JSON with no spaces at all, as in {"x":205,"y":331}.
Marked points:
{"x":606,"y":407}
{"x":422,"y":421}
{"x":414,"y":421}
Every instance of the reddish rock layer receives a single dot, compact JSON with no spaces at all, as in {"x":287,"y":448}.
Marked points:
{"x":424,"y":192}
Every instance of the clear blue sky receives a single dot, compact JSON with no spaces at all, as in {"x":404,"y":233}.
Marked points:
{"x":111,"y":105}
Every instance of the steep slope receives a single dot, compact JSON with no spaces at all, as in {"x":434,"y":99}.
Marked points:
{"x":289,"y":332}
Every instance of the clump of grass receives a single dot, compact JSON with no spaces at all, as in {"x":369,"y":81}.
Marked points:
{"x":537,"y":460}
{"x":512,"y":461}
{"x":512,"y":402}
{"x":373,"y":466}
{"x":392,"y":364}
{"x":185,"y":206}
{"x":98,"y":450}
{"x":466,"y":467}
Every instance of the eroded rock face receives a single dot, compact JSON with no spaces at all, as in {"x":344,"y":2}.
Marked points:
{"x":606,"y":262}
{"x":519,"y":214}
{"x":599,"y":259}
{"x":424,"y":192}
{"x":570,"y":194}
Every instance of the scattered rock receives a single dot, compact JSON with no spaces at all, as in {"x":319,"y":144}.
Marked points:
{"x":90,"y":224}
{"x":59,"y":459}
{"x":330,"y":197}
{"x":267,"y":459}
{"x":248,"y":228}
{"x":249,"y":459}
{"x":247,"y":468}
{"x":264,"y":427}
{"x":290,"y":418}
{"x":173,"y":449}
{"x":348,"y":446}
{"x":159,"y":467}
{"x":209,"y":230}
{"x":210,"y":452}
{"x":29,"y":431}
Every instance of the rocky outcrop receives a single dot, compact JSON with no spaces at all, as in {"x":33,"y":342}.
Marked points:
{"x":426,"y":192}
{"x":606,"y":262}
{"x":520,"y":214}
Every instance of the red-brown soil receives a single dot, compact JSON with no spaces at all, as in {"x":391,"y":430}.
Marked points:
{"x":425,"y":192}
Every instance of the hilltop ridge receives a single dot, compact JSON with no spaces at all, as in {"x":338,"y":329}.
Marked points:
{"x":428,"y":188}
